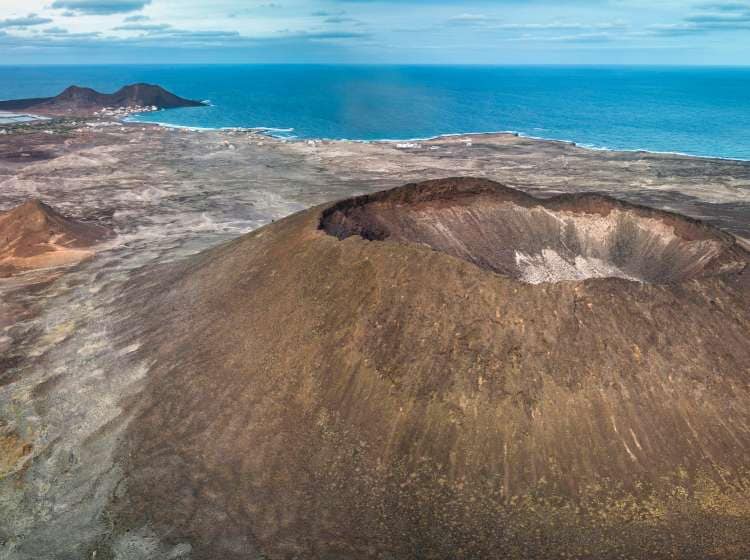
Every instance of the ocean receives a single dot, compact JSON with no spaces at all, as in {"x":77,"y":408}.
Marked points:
{"x":696,"y":111}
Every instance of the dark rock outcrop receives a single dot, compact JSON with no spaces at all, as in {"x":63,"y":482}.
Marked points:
{"x":34,"y":235}
{"x":84,"y":101}
{"x":380,"y":379}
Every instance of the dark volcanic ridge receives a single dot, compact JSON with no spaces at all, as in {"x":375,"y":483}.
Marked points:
{"x":564,"y":238}
{"x":85,"y":101}
{"x":393,"y":386}
{"x":34,"y":235}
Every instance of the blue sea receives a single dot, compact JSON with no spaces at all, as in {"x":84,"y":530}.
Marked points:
{"x":697,"y":111}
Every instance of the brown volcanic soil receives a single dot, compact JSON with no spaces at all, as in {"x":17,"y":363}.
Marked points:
{"x":33,"y":235}
{"x":317,"y":397}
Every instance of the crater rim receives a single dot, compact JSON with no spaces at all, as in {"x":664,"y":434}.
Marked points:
{"x":610,"y":238}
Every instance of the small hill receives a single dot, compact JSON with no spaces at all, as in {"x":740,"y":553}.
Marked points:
{"x":34,"y":235}
{"x":451,"y":369}
{"x":85,"y":101}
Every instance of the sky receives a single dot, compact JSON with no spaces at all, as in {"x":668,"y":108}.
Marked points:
{"x":495,"y":32}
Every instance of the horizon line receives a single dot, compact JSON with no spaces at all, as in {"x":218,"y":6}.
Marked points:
{"x":383,"y":64}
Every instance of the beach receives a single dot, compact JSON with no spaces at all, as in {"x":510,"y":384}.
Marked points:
{"x":169,"y":193}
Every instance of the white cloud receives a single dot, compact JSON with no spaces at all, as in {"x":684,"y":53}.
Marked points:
{"x":100,"y":7}
{"x":25,"y":21}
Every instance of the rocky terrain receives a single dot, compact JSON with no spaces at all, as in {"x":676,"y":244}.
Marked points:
{"x":372,"y":378}
{"x":81,"y":101}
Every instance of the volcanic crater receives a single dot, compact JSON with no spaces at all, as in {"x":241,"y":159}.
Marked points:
{"x":564,"y":238}
{"x":379,"y":378}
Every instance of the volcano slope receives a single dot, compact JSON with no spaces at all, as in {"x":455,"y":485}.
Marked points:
{"x":451,"y":369}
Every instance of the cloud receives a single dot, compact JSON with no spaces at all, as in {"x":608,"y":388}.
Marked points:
{"x":326,"y":13}
{"x":488,"y":22}
{"x":428,"y":3}
{"x":56,"y":38}
{"x":86,"y":35}
{"x":561,"y":25}
{"x":143,"y":27}
{"x":317,"y":35}
{"x":726,"y":7}
{"x":470,"y":19}
{"x":591,"y":37}
{"x":582,"y":38}
{"x":719,"y":18}
{"x":338,"y":19}
{"x":99,"y":7}
{"x":26,"y":21}
{"x":171,"y":38}
{"x":136,"y":18}
{"x":678,"y":29}
{"x":254,"y":10}
{"x":713,"y":18}
{"x":672,"y":29}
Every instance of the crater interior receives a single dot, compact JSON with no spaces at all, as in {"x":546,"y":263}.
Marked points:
{"x":565,"y":238}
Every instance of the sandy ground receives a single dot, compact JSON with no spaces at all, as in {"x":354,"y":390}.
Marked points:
{"x":169,"y":193}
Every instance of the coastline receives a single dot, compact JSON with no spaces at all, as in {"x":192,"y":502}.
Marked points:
{"x":520,"y":134}
{"x":129,"y":118}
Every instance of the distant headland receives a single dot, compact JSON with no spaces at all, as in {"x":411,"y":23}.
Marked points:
{"x":81,"y":101}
